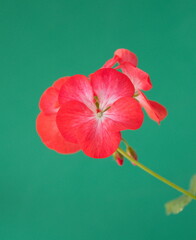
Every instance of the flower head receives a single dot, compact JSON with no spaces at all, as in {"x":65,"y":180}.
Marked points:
{"x":93,"y":112}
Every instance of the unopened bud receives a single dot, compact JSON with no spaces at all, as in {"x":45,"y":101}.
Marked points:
{"x":132,"y":153}
{"x":119,"y":158}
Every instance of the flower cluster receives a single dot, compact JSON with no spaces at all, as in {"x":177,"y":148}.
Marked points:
{"x":89,"y":113}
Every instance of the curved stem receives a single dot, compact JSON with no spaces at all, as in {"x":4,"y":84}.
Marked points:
{"x":155,"y":174}
{"x":125,"y":142}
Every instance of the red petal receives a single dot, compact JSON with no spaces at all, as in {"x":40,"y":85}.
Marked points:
{"x":50,"y":135}
{"x":49,"y":101}
{"x":121,"y":56}
{"x":77,"y":88}
{"x":126,"y":113}
{"x":125,"y":55}
{"x":109,"y":85}
{"x":70,"y":117}
{"x":139,"y":78}
{"x":111,"y":62}
{"x":77,"y":123}
{"x":58,"y":83}
{"x":155,"y":111}
{"x":95,"y":139}
{"x":159,"y":110}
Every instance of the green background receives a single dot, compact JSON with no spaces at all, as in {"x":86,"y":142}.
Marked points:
{"x":45,"y":195}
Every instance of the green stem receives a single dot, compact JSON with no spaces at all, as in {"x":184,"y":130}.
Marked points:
{"x":155,"y":174}
{"x":125,"y":142}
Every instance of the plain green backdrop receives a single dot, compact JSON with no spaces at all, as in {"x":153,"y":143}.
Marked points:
{"x":48,"y":196}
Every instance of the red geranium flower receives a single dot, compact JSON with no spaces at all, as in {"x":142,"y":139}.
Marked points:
{"x":141,"y":80}
{"x":46,"y":120}
{"x":93,"y":112}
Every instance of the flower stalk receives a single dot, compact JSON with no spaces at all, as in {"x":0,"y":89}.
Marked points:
{"x":154,"y":174}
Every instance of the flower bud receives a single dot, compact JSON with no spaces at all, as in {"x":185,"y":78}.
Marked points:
{"x":132,"y":153}
{"x":119,"y":158}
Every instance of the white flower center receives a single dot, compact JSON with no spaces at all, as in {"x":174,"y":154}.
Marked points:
{"x":99,"y":114}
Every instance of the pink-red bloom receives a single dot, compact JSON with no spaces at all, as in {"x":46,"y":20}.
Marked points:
{"x":127,"y":62}
{"x":93,"y":112}
{"x":80,"y":113}
{"x":46,"y":120}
